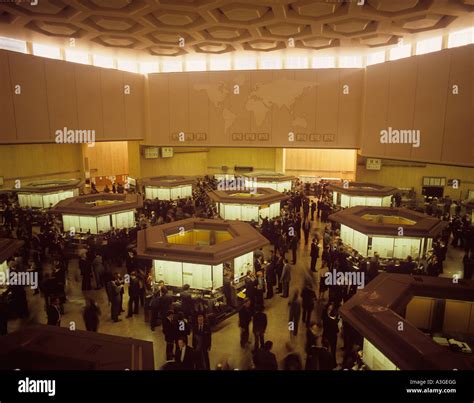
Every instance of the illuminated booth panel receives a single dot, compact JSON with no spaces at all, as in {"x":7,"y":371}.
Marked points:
{"x":96,"y":224}
{"x":385,"y":246}
{"x":198,"y":276}
{"x":45,"y":200}
{"x":375,"y":359}
{"x":352,"y":201}
{"x":3,"y":272}
{"x":171,"y":193}
{"x":278,"y":186}
{"x":247,"y":212}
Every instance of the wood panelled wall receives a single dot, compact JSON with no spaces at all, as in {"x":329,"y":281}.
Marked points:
{"x":412,"y":176}
{"x":40,"y":161}
{"x":419,"y":93}
{"x":55,"y":94}
{"x":107,"y":159}
{"x":261,"y":159}
{"x":323,"y":108}
{"x":325,"y":163}
{"x":262,"y":111}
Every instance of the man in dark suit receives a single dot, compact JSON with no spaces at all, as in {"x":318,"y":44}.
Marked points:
{"x":314,"y":254}
{"x":169,"y":330}
{"x":184,"y":356}
{"x":134,"y":295}
{"x":245,"y":317}
{"x":202,"y":339}
{"x":264,"y":359}
{"x":259,"y":327}
{"x":54,"y":313}
{"x":186,"y":301}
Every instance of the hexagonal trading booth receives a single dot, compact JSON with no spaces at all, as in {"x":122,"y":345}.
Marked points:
{"x":168,"y":187}
{"x":391,"y":232}
{"x":273,"y":180}
{"x":247,"y":205}
{"x":194,"y":251}
{"x":353,"y":194}
{"x":47,"y":193}
{"x":98,"y":212}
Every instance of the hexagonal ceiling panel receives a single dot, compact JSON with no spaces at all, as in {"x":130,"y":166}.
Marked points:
{"x":147,"y":28}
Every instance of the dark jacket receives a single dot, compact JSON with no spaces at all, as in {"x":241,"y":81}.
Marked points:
{"x":259,"y":322}
{"x":314,"y":250}
{"x":169,"y":330}
{"x":245,"y":317}
{"x":265,"y":360}
{"x":188,"y":362}
{"x":202,"y":339}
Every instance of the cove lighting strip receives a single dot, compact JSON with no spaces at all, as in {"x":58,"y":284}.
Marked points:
{"x":251,"y":61}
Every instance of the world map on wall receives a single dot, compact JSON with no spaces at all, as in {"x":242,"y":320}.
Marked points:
{"x":260,"y":101}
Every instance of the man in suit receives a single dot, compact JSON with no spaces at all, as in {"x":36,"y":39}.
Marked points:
{"x":286,"y":278}
{"x":313,"y":209}
{"x":202,"y":339}
{"x":184,"y":356}
{"x":314,"y":254}
{"x":134,"y":295}
{"x":306,"y":230}
{"x":186,"y":301}
{"x":114,"y":292}
{"x":249,"y":282}
{"x":169,"y":330}
{"x":259,"y":327}
{"x":54,"y":313}
{"x":264,"y":359}
{"x":245,"y":317}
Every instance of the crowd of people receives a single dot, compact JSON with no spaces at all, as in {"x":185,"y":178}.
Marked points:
{"x":186,"y":326}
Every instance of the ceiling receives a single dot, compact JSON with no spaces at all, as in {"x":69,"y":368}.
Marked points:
{"x":146,"y":28}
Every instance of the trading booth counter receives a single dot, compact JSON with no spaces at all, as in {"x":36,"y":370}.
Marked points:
{"x":273,"y":180}
{"x":247,"y":205}
{"x":47,"y":193}
{"x":391,"y":232}
{"x":168,"y":187}
{"x":362,"y":194}
{"x":98,"y":212}
{"x":195,"y":251}
{"x":377,"y":311}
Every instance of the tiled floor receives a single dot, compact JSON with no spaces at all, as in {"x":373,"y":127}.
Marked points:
{"x":225,"y":340}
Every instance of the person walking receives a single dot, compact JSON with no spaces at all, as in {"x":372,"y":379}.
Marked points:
{"x":91,"y":315}
{"x":259,"y":328}
{"x":285,"y":279}
{"x":294,"y":313}
{"x":314,"y":253}
{"x":245,"y":317}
